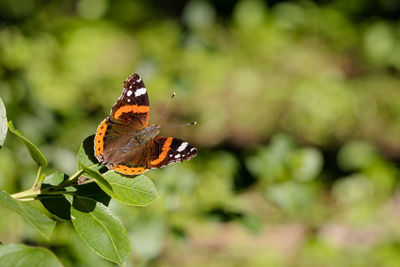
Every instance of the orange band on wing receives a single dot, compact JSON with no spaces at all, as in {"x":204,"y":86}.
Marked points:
{"x":129,"y":170}
{"x":164,"y":151}
{"x":99,"y":139}
{"x":131,"y":108}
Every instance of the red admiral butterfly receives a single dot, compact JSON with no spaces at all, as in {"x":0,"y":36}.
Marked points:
{"x":124,"y":142}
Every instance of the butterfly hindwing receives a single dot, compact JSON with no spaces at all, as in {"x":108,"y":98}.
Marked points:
{"x":136,"y":163}
{"x":159,"y":152}
{"x":132,"y":107}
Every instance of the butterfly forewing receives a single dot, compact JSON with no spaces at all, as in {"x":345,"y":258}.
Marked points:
{"x":167,"y":150}
{"x":132,"y":107}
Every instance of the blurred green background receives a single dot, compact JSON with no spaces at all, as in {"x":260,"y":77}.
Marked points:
{"x":298,"y":111}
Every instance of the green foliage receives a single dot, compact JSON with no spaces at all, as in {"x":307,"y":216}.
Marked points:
{"x":97,"y":176}
{"x":12,"y":255}
{"x":32,"y":215}
{"x":136,"y":192}
{"x":356,"y":155}
{"x":298,"y":113}
{"x":107,"y":236}
{"x":35,"y":153}
{"x":3,"y":123}
{"x":76,"y":198}
{"x":86,"y":156}
{"x":282,"y":160}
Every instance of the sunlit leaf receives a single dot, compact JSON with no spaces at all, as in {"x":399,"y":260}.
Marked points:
{"x":55,"y":178}
{"x":12,"y":255}
{"x":3,"y":123}
{"x":100,"y":229}
{"x":35,"y":153}
{"x":138,"y":191}
{"x":97,"y":176}
{"x":32,"y":215}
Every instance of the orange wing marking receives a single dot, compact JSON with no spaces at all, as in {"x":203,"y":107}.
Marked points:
{"x":164,"y":151}
{"x":129,"y":170}
{"x":131,"y":108}
{"x":99,"y":139}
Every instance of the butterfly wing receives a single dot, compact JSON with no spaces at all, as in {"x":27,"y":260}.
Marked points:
{"x":112,"y":141}
{"x":136,"y":164}
{"x":129,"y":115}
{"x":167,"y":150}
{"x":132,"y":107}
{"x":159,"y":152}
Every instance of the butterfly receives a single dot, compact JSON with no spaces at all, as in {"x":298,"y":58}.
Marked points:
{"x":125,"y":143}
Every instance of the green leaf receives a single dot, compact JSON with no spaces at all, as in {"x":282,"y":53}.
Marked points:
{"x":138,"y":191}
{"x":93,"y":191}
{"x":53,"y":179}
{"x":86,"y":155}
{"x":97,"y":176}
{"x":12,"y":255}
{"x":36,"y":155}
{"x":86,"y":152}
{"x":60,"y":205}
{"x":57,"y":205}
{"x":32,"y":215}
{"x":3,"y":123}
{"x":100,"y":229}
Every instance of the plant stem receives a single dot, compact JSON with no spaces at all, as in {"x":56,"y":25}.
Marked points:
{"x":71,"y":180}
{"x":36,"y":178}
{"x":24,"y":194}
{"x":33,"y":192}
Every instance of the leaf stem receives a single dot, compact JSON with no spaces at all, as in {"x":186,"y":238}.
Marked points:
{"x":24,"y":194}
{"x":34,"y":186}
{"x":71,"y":180}
{"x":33,"y":192}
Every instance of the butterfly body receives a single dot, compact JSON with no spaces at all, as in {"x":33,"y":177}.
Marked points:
{"x":145,"y":135}
{"x":124,"y":141}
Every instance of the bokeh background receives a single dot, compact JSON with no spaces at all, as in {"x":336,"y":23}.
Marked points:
{"x":298,"y":111}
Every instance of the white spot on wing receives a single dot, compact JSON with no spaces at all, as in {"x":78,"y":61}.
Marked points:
{"x":130,"y":87}
{"x":170,"y":156}
{"x":177,"y":156}
{"x":140,"y":92}
{"x":129,"y":93}
{"x":182,"y":146}
{"x":191,"y":150}
{"x":129,"y":100}
{"x":138,"y":80}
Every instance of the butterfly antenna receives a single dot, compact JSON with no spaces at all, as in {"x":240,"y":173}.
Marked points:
{"x":165,"y":108}
{"x":181,"y":125}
